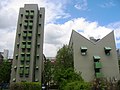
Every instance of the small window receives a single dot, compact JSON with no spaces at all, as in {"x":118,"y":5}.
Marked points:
{"x":37,"y":67}
{"x":39,"y":24}
{"x":21,"y":15}
{"x":107,"y":50}
{"x":32,"y":14}
{"x":30,"y":24}
{"x":28,"y":58}
{"x":96,"y":58}
{"x":15,"y":67}
{"x":22,"y":58}
{"x":25,"y":24}
{"x":21,"y":70}
{"x":27,"y":13}
{"x":26,"y":70}
{"x":40,"y":15}
{"x":83,"y":51}
{"x":14,"y":79}
{"x":36,"y":80}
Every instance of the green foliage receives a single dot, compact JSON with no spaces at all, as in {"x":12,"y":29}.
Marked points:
{"x":5,"y":70}
{"x":64,"y":76}
{"x":26,"y":86}
{"x":64,"y":57}
{"x":77,"y":85}
{"x":48,"y":72}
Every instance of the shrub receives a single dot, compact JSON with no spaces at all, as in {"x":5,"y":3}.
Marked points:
{"x":26,"y":86}
{"x":78,"y":85}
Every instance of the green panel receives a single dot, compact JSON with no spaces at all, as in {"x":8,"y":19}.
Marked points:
{"x":27,"y":13}
{"x":83,"y":49}
{"x":30,"y":23}
{"x":29,"y":42}
{"x":28,"y":53}
{"x":29,"y":34}
{"x":22,"y":58}
{"x":98,"y":65}
{"x":31,"y":13}
{"x":28,"y":46}
{"x":21,"y":71}
{"x":24,"y":34}
{"x":27,"y":59}
{"x":99,"y":75}
{"x":23,"y":46}
{"x":96,"y":57}
{"x":26,"y":71}
{"x":25,"y":24}
{"x":108,"y":48}
{"x":22,"y":53}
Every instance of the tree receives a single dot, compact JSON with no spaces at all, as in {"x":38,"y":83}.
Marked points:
{"x":64,"y":58}
{"x":5,"y":70}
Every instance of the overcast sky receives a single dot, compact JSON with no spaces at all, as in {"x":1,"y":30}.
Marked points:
{"x":94,"y":18}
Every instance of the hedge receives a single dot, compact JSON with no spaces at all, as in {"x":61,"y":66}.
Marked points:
{"x":26,"y":86}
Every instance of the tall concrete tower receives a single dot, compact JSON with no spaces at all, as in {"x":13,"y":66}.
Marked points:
{"x":28,"y":50}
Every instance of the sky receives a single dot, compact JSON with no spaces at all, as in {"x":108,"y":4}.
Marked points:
{"x":95,"y":18}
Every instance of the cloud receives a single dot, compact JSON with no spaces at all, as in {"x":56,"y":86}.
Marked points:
{"x":55,"y":34}
{"x":116,"y":27}
{"x":107,"y":4}
{"x":81,"y":5}
{"x":9,"y":10}
{"x":7,"y":38}
{"x":58,"y":34}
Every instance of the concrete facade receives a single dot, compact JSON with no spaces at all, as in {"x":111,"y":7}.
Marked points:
{"x":95,"y":59}
{"x":28,"y":49}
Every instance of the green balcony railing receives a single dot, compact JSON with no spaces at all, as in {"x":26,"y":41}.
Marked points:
{"x":96,"y":57}
{"x":26,"y":71}
{"x":30,"y":24}
{"x":98,"y":65}
{"x":24,"y":34}
{"x":83,"y":49}
{"x":23,"y":46}
{"x":108,"y":48}
{"x":31,"y":13}
{"x":25,"y":24}
{"x":27,"y":14}
{"x":29,"y":34}
{"x":99,"y":75}
{"x":27,"y":59}
{"x":28,"y":46}
{"x":22,"y":59}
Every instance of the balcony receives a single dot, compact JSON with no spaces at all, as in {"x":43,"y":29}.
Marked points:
{"x":99,"y":75}
{"x":98,"y":65}
{"x":24,"y":34}
{"x":22,"y":59}
{"x":27,"y":59}
{"x":28,"y":46}
{"x":29,"y":34}
{"x":107,"y":50}
{"x":83,"y":51}
{"x":23,"y":46}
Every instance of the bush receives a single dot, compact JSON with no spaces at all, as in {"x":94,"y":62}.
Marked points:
{"x":26,"y":86}
{"x":77,"y":85}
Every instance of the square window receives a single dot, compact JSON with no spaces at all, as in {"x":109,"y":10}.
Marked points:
{"x":83,"y":51}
